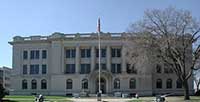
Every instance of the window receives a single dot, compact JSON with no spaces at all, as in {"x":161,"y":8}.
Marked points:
{"x":103,"y":52}
{"x":44,"y":54}
{"x":25,"y":55}
{"x":33,"y":84}
{"x":85,"y":53}
{"x":178,"y":83}
{"x":69,"y":84}
{"x":116,"y":68}
{"x":84,"y":84}
{"x":24,"y":84}
{"x":44,"y":69}
{"x":130,"y":69}
{"x":167,"y":69}
{"x":70,"y":53}
{"x":158,"y":68}
{"x":132,"y":83}
{"x":116,"y":52}
{"x":25,"y":70}
{"x":159,"y":83}
{"x":85,"y":69}
{"x":103,"y":66}
{"x":70,"y":69}
{"x":169,"y":83}
{"x":43,"y":84}
{"x":32,"y":56}
{"x":35,"y":54}
{"x":34,"y":69}
{"x":116,"y":84}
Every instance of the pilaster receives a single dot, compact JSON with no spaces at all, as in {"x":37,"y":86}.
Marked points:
{"x":123,"y":53}
{"x":108,"y":58}
{"x":77,"y":59}
{"x":92,"y":58}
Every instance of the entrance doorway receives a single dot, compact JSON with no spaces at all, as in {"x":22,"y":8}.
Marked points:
{"x":102,"y":85}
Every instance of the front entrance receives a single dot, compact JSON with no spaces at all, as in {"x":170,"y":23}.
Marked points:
{"x":102,"y":85}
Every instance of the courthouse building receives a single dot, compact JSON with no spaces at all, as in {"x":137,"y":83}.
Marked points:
{"x":5,"y":73}
{"x":64,"y":64}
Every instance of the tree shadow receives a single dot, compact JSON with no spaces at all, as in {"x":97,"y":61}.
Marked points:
{"x":9,"y":100}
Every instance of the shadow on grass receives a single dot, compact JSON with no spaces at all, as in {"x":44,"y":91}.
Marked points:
{"x":9,"y":101}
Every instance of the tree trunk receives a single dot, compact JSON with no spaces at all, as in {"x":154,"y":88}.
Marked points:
{"x":197,"y":88}
{"x":186,"y":90}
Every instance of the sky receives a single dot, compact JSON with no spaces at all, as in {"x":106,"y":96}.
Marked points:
{"x":43,"y":17}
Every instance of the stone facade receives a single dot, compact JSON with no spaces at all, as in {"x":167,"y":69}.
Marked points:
{"x":5,"y":73}
{"x":64,"y":64}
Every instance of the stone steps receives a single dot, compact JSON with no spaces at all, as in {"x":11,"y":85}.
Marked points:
{"x":103,"y":95}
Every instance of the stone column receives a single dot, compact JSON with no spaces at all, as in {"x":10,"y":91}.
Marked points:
{"x":108,"y":58}
{"x":77,"y":59}
{"x":55,"y":65}
{"x":92,"y":58}
{"x":62,"y":62}
{"x":123,"y":52}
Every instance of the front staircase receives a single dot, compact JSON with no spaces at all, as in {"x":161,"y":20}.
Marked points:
{"x":102,"y":95}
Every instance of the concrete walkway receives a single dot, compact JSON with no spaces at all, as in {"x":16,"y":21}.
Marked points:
{"x":110,"y":99}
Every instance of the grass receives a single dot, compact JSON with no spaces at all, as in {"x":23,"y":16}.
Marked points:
{"x":67,"y":99}
{"x":16,"y":98}
{"x":168,"y":99}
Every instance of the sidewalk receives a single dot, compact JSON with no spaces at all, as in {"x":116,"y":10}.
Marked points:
{"x":110,"y":99}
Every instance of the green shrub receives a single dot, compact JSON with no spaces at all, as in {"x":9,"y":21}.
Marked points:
{"x":2,"y":92}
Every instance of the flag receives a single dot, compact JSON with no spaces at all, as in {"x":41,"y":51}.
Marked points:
{"x":98,"y":26}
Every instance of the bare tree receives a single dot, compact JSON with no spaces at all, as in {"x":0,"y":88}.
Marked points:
{"x":176,"y":36}
{"x":197,"y":79}
{"x":138,"y":51}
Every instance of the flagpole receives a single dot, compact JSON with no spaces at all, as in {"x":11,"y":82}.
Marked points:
{"x":99,"y":31}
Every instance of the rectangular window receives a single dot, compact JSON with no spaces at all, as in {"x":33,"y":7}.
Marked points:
{"x":85,"y":69}
{"x":103,"y":66}
{"x":44,"y":54}
{"x":103,"y":52}
{"x":130,"y":69}
{"x":82,"y":53}
{"x":116,"y":52}
{"x":35,"y":54}
{"x":116,"y":68}
{"x":85,"y":53}
{"x":67,"y":53}
{"x":44,"y":69}
{"x":73,"y":52}
{"x":88,"y":53}
{"x":167,"y":69}
{"x":158,"y":68}
{"x":70,"y":69}
{"x":70,"y":53}
{"x":34,"y":69}
{"x":25,"y":70}
{"x":32,"y":54}
{"x":25,"y":55}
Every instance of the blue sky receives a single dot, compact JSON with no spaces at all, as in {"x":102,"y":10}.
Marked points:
{"x":43,"y":17}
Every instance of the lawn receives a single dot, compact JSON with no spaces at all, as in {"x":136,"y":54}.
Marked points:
{"x":32,"y":98}
{"x":67,"y":99}
{"x":168,"y":99}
